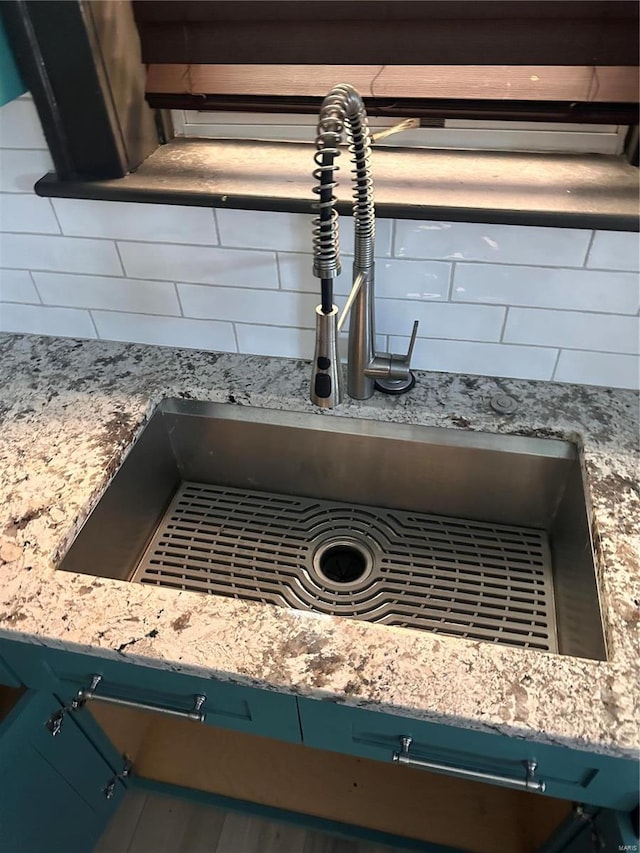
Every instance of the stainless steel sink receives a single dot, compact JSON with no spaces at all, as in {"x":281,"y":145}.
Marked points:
{"x":464,"y":533}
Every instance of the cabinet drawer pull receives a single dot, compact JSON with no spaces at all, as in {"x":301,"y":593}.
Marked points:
{"x":529,"y":782}
{"x":89,"y":694}
{"x":54,"y":723}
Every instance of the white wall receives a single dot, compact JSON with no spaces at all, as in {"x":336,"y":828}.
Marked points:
{"x":538,"y":303}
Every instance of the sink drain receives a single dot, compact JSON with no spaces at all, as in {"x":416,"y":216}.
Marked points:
{"x":343,"y":562}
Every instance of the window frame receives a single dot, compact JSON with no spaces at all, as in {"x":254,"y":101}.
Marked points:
{"x":114,"y":146}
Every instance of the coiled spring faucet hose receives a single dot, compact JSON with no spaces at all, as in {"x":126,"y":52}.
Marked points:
{"x":342,"y":111}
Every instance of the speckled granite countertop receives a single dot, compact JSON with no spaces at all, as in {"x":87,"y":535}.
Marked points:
{"x":69,"y":411}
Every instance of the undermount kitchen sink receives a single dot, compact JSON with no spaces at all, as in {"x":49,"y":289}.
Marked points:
{"x":462,"y":533}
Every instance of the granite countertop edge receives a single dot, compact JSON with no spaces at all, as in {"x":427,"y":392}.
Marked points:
{"x":69,"y":413}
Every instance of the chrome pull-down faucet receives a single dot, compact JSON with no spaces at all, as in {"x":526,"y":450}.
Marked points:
{"x":343,"y":111}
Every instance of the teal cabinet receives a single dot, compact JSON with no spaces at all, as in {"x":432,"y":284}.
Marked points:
{"x":604,"y":831}
{"x":53,"y":796}
{"x":11,"y":84}
{"x":230,"y":706}
{"x":568,"y":774}
{"x":7,"y":676}
{"x":607,"y":787}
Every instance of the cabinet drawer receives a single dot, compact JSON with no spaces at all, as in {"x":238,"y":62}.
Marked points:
{"x":226,"y":705}
{"x":567,"y":774}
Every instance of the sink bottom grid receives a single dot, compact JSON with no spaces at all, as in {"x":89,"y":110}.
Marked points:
{"x":410,"y":569}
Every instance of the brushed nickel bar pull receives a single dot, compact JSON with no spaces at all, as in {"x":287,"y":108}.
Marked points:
{"x":529,"y":782}
{"x":89,"y":694}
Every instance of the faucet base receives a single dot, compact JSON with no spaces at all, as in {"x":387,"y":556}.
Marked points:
{"x":326,"y":376}
{"x":396,"y":386}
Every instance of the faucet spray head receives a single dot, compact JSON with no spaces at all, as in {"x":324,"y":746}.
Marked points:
{"x":326,"y":379}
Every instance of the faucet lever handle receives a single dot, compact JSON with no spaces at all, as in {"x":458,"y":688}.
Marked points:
{"x":414,"y":334}
{"x":392,"y":371}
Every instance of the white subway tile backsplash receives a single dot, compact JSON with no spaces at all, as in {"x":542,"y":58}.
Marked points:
{"x":231,"y":267}
{"x":426,"y":281}
{"x":272,"y":307}
{"x":506,"y":244}
{"x":615,"y":250}
{"x":42,"y":320}
{"x":59,"y":254}
{"x":296,"y":273}
{"x":20,"y":126}
{"x":399,"y":279}
{"x":275,"y":340}
{"x":257,"y":229}
{"x":27,"y":214}
{"x":440,"y":320}
{"x":163,"y":223}
{"x":547,"y":287}
{"x":571,"y":308}
{"x":572,"y":330}
{"x":165,"y":331}
{"x":17,"y":286}
{"x":287,"y":232}
{"x":599,"y":368}
{"x":114,"y":294}
{"x":20,"y":169}
{"x":483,"y":359}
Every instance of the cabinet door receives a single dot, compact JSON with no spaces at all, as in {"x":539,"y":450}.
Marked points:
{"x":7,"y":677}
{"x":568,"y":774}
{"x":605,"y":831}
{"x":51,"y":799}
{"x":230,"y":706}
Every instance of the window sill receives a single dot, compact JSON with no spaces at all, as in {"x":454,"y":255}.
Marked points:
{"x":561,"y":190}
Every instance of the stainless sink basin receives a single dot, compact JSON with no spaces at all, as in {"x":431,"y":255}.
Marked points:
{"x":463,"y":533}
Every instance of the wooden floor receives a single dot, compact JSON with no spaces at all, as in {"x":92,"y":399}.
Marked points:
{"x":154,"y":823}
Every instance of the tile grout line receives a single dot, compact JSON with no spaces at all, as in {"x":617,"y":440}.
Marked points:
{"x":177,"y":291}
{"x":35,"y":284}
{"x":589,"y":247}
{"x":272,"y":251}
{"x":216,"y":227}
{"x":22,"y":148}
{"x":93,"y":323}
{"x":241,"y":289}
{"x":55,"y":214}
{"x":235,"y":337}
{"x":120,"y":261}
{"x":452,"y":274}
{"x":262,"y":324}
{"x":510,"y":344}
{"x":504,"y":325}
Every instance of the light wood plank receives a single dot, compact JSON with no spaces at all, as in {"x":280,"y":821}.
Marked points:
{"x":343,"y":788}
{"x":242,"y":834}
{"x":319,"y":842}
{"x":203,"y":830}
{"x":365,"y":847}
{"x":162,"y":825}
{"x":495,"y":82}
{"x":122,"y":826}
